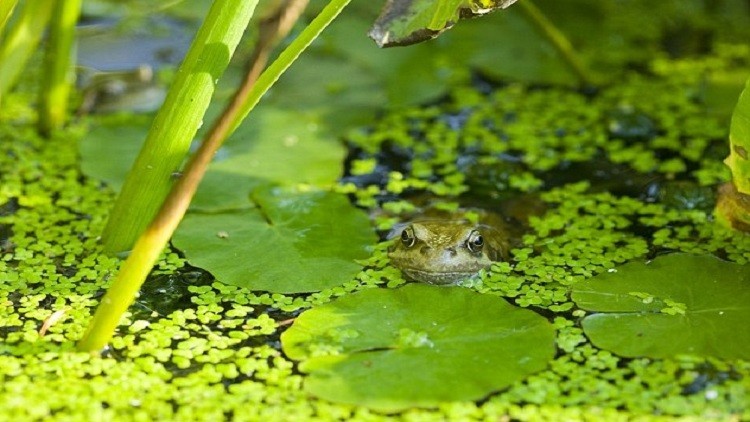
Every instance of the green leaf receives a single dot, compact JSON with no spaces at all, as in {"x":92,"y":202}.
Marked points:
{"x":675,"y":304}
{"x":739,"y":141}
{"x":419,"y":345}
{"x":403,"y":22}
{"x":291,"y":242}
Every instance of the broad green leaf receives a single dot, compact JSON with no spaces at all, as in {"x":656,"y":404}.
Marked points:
{"x":403,"y":22}
{"x":419,"y":345}
{"x":675,"y":304}
{"x":291,"y":242}
{"x":739,"y":142}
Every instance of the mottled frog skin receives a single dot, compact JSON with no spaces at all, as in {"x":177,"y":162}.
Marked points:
{"x":446,"y":251}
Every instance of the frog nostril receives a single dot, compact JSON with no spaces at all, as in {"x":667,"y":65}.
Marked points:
{"x":451,"y":252}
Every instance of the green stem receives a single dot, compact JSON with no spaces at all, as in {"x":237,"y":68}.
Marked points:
{"x":154,"y":239}
{"x":558,"y":40}
{"x":168,"y":141}
{"x":58,"y":66}
{"x":206,"y":60}
{"x":22,"y":41}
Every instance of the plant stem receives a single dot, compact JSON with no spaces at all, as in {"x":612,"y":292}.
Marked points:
{"x":154,"y":239}
{"x":558,"y":40}
{"x":58,"y":66}
{"x":22,"y":40}
{"x":194,"y":84}
{"x":169,"y":138}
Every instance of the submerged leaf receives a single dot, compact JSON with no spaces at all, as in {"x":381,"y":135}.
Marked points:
{"x":419,"y":345}
{"x":291,"y":242}
{"x":403,"y":22}
{"x":278,"y":146}
{"x":109,"y":149}
{"x":676,"y":304}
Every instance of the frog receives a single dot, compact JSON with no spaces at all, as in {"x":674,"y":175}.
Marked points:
{"x":445,"y":251}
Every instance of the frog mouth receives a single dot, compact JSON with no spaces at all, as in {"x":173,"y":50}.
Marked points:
{"x":437,"y":277}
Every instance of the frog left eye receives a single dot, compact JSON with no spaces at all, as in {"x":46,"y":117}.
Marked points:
{"x":475,"y":242}
{"x":408,"y":238}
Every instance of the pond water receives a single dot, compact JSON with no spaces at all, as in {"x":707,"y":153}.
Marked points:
{"x":282,"y":303}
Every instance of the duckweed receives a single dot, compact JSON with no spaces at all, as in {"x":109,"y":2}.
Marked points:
{"x":214,"y":351}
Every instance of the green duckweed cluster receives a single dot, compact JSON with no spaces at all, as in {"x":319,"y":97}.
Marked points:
{"x":214,"y":353}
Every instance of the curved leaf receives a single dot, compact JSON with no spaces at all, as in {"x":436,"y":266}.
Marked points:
{"x":419,"y":345}
{"x":739,"y":141}
{"x":676,"y":304}
{"x":290,"y":243}
{"x":403,"y":22}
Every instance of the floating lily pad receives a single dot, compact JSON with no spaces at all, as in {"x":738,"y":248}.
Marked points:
{"x":676,"y":304}
{"x":419,"y":345}
{"x":290,"y":242}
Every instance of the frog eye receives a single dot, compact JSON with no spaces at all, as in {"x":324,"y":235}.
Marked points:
{"x":475,"y":242}
{"x":407,"y":237}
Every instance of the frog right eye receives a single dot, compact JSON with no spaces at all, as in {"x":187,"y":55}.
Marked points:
{"x":408,"y":238}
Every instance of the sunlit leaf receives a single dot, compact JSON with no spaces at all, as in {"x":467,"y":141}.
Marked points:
{"x":675,"y":304}
{"x":739,"y":140}
{"x":419,"y":345}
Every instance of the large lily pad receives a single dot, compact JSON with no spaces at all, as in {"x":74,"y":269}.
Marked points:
{"x":419,"y":345}
{"x":675,"y":304}
{"x":291,"y":242}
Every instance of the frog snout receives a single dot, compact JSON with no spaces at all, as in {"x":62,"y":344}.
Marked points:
{"x":446,"y":253}
{"x":449,"y":253}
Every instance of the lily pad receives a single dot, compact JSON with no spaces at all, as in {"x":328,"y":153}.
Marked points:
{"x":291,"y":242}
{"x":419,"y":345}
{"x":675,"y":304}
